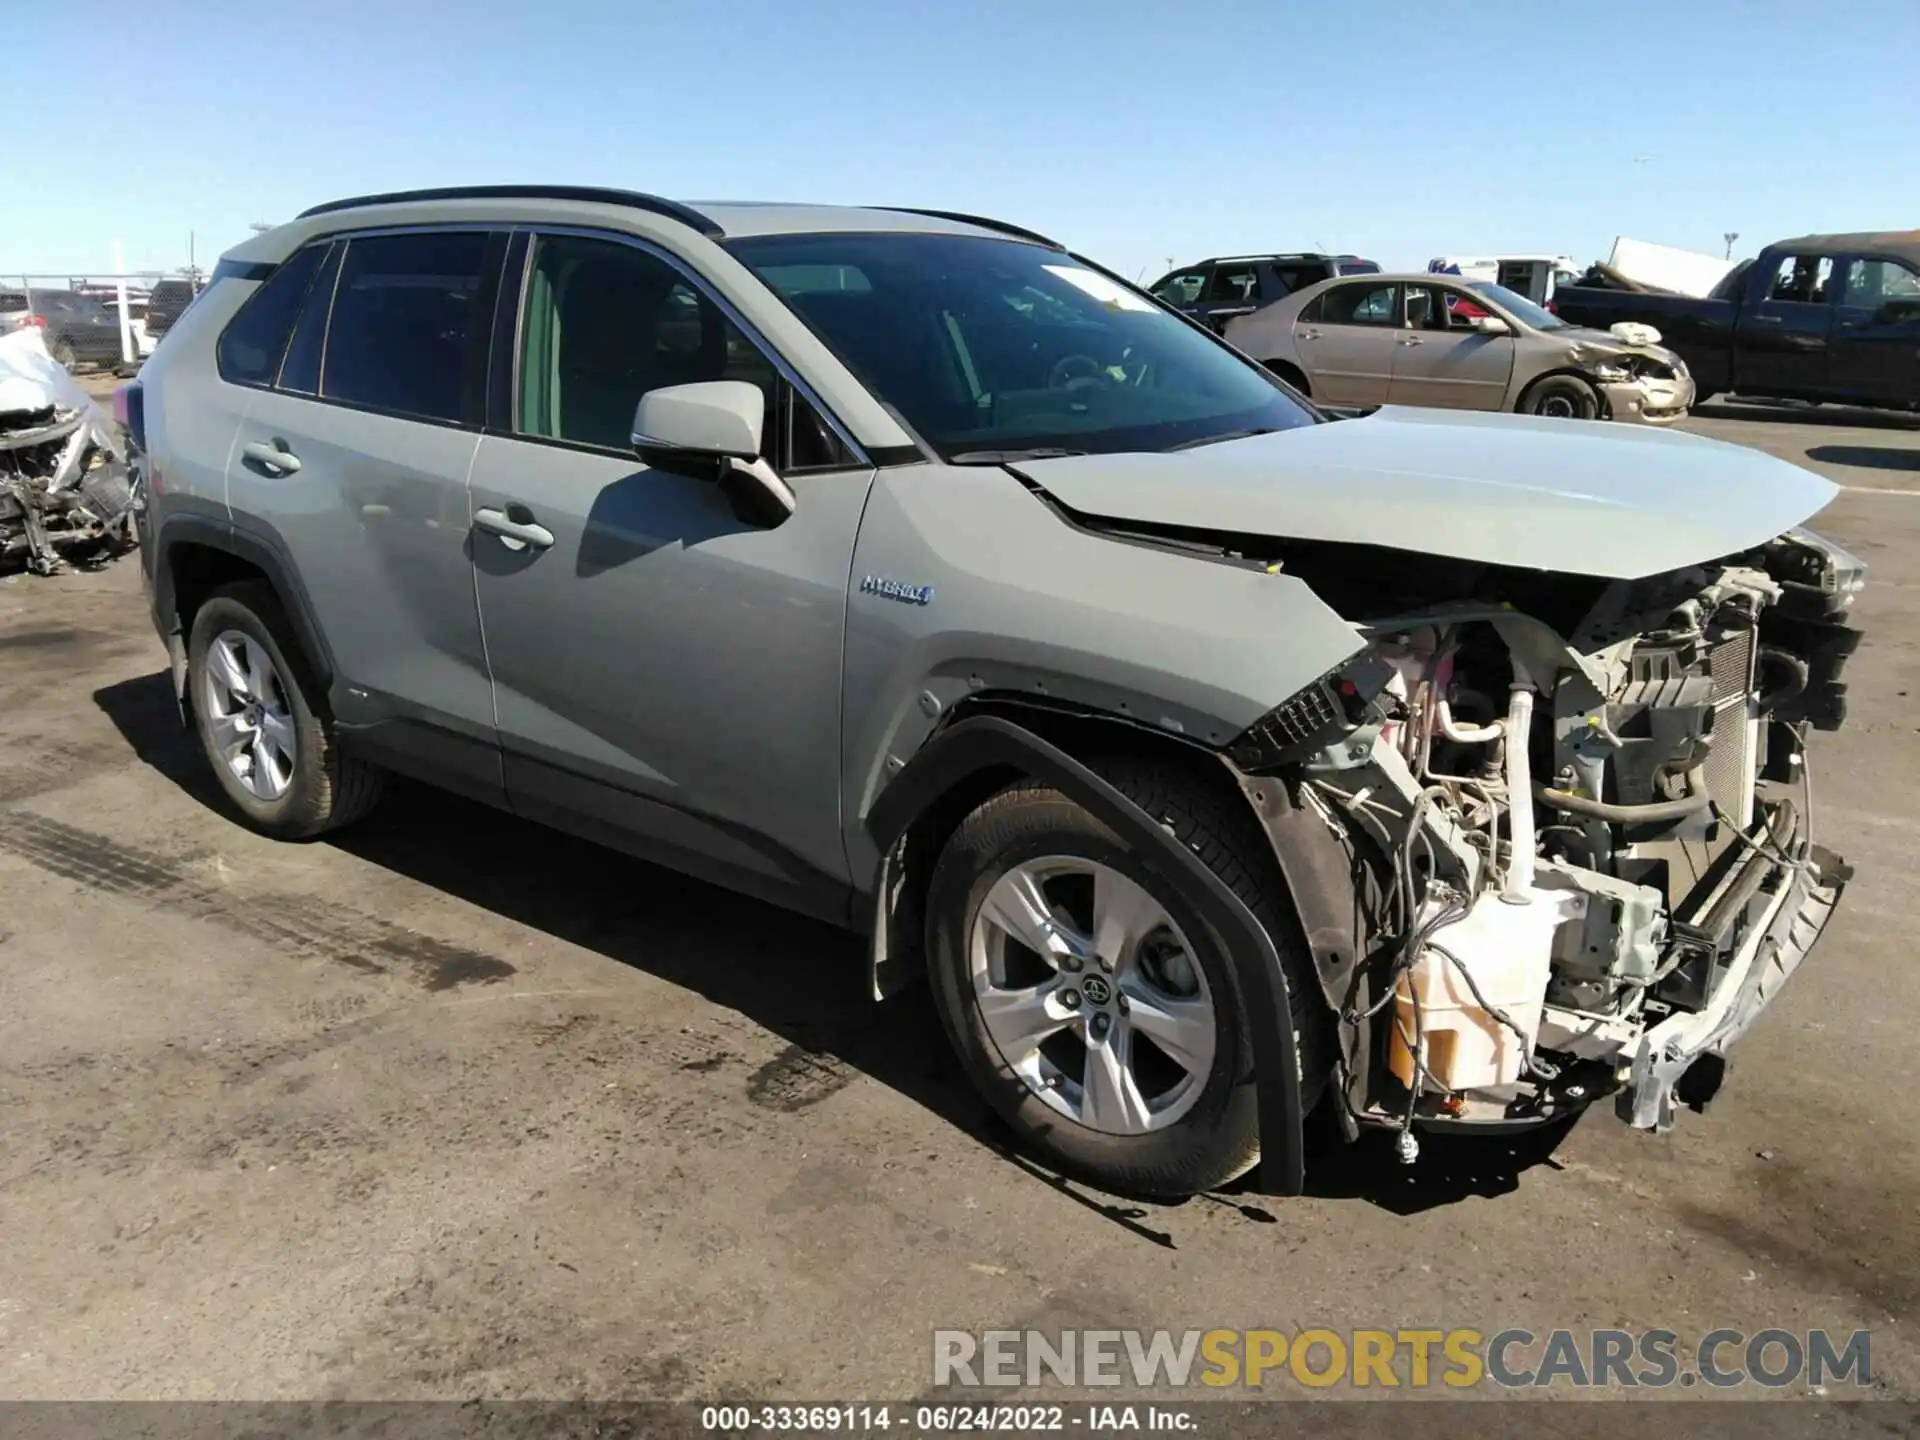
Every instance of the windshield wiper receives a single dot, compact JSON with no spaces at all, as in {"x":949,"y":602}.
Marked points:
{"x":1009,"y":457}
{"x":1224,"y":435}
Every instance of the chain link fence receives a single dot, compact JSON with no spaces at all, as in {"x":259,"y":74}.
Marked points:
{"x":90,"y":318}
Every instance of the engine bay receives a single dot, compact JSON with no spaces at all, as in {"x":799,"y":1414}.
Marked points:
{"x":1579,"y":814}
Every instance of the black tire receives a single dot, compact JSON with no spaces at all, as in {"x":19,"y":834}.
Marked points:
{"x":1565,"y":396}
{"x":326,"y":789}
{"x":63,"y":354}
{"x":1216,"y":1139}
{"x":1292,"y":374}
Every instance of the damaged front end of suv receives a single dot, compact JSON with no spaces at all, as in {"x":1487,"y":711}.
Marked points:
{"x":1577,"y":815}
{"x":1549,"y":828}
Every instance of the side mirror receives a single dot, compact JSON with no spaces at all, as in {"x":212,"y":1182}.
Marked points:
{"x":1491,"y":325}
{"x":711,"y":431}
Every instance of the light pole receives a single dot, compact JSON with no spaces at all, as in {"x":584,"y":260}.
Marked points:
{"x":1729,"y":236}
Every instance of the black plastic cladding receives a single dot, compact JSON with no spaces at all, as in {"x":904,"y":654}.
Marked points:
{"x":591,"y":194}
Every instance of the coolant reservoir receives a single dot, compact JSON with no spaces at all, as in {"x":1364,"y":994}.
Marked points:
{"x":1508,"y":948}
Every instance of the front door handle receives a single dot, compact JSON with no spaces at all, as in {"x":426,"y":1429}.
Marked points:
{"x":515,"y":533}
{"x":1412,"y":340}
{"x":275,"y":456}
{"x":1769,"y":320}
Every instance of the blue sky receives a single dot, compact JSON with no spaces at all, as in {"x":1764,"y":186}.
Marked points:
{"x":1131,"y":131}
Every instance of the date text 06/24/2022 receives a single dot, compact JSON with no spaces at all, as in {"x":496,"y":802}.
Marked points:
{"x":866,"y":1418}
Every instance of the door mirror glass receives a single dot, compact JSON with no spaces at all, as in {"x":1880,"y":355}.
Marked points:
{"x":1491,"y":325}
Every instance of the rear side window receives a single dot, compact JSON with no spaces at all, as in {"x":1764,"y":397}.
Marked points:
{"x":250,"y":347}
{"x":1359,"y":304}
{"x":406,"y":310}
{"x":300,"y":373}
{"x":1234,"y":282}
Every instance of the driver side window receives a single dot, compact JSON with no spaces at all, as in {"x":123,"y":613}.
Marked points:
{"x":1181,"y":289}
{"x":604,"y":323}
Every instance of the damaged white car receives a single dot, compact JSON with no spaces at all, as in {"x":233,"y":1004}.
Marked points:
{"x":65,"y":490}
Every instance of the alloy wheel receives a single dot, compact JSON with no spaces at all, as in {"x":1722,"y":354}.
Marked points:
{"x":248,"y":714}
{"x":1092,"y":995}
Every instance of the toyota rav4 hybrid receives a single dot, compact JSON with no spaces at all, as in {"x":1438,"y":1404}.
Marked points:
{"x":1214,"y":760}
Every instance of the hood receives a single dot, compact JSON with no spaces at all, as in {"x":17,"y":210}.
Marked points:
{"x":1606,"y":342}
{"x":1571,"y":496}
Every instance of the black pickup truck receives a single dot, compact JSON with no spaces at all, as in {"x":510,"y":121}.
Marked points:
{"x":1823,"y":317}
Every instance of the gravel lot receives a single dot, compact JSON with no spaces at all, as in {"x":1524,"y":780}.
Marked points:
{"x":454,"y":1106}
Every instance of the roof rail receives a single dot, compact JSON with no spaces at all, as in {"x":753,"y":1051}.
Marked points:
{"x":982,"y":221}
{"x":632,"y":199}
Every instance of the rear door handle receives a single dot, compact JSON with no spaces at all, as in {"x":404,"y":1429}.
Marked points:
{"x":515,"y":532}
{"x":1769,"y":320}
{"x":1309,"y":334}
{"x":1413,"y":340}
{"x":272,"y":456}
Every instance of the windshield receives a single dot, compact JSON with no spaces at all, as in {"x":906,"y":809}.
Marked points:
{"x":1518,"y":306}
{"x":992,"y":347}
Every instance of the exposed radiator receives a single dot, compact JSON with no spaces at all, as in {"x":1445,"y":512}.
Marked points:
{"x":1735,"y":731}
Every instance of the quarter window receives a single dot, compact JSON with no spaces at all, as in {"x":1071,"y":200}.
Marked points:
{"x":606,"y":322}
{"x":250,"y":347}
{"x":1359,"y":305}
{"x":1294,"y":277}
{"x":300,"y":373}
{"x":405,"y":318}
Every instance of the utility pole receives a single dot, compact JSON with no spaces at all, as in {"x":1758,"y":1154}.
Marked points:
{"x":1729,"y":236}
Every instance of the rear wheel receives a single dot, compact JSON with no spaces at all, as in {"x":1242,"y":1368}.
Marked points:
{"x":1564,"y":397}
{"x":261,"y":720}
{"x":63,"y":353}
{"x":1090,"y":1002}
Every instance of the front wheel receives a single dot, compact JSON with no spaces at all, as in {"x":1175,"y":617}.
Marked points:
{"x":1563,"y":397}
{"x":1090,"y":1002}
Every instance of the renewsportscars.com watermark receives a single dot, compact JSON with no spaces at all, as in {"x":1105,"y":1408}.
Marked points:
{"x":1406,"y":1358}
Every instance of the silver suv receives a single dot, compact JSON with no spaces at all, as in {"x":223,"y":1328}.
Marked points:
{"x":1214,"y":758}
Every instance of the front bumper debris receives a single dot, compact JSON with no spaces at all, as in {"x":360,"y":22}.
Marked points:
{"x":1648,"y":400}
{"x":1789,"y":922}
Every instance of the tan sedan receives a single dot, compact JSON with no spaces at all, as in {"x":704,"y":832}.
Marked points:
{"x":1439,"y":341}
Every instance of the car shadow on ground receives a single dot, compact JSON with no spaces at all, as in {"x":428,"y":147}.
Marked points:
{"x":1867,"y":457}
{"x":801,"y":979}
{"x":1852,"y":416}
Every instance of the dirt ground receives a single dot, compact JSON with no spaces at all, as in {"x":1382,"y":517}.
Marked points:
{"x":453,"y":1106}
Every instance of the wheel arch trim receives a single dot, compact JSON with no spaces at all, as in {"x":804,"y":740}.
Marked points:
{"x":262,"y":553}
{"x":992,"y":742}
